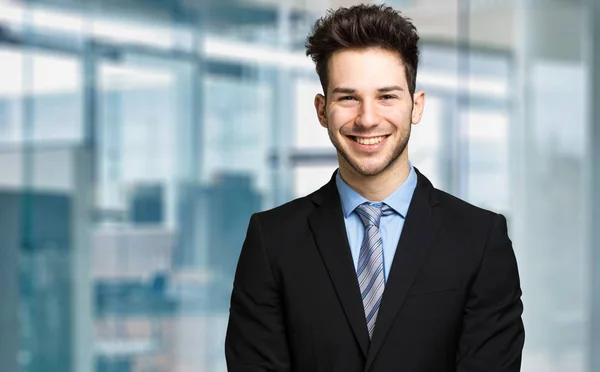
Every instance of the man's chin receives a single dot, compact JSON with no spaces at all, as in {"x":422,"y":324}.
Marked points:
{"x":369,"y":170}
{"x":364,"y":166}
{"x":367,"y":166}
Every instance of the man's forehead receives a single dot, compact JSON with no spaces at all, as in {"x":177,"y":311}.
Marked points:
{"x":344,"y":73}
{"x":348,"y":62}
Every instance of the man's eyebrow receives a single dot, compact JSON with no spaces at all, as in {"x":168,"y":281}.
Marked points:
{"x":386,"y":89}
{"x":343,"y":90}
{"x":390,"y":89}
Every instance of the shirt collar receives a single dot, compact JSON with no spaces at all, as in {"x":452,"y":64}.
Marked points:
{"x":399,"y":200}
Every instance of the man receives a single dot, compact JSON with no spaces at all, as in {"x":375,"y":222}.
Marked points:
{"x":377,"y":270}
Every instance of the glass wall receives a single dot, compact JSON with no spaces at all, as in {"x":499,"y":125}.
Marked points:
{"x":137,"y":138}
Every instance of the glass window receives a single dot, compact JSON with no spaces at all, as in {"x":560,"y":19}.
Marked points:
{"x":120,"y":244}
{"x":488,"y":159}
{"x":309,"y":133}
{"x":41,"y":94}
{"x":237,"y":118}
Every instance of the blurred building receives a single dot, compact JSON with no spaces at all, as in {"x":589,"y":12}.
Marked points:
{"x":42,"y":272}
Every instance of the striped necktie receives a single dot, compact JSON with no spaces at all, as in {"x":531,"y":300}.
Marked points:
{"x":370,"y":261}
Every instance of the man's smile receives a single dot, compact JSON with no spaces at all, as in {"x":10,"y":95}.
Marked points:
{"x":368,"y":140}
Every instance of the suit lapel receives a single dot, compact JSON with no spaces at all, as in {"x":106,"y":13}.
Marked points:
{"x":328,"y":227}
{"x":417,"y":235}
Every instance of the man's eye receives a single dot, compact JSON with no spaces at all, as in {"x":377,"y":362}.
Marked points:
{"x":346,"y":98}
{"x":388,"y":96}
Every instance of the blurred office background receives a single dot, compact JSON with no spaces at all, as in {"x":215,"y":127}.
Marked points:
{"x":138,"y":136}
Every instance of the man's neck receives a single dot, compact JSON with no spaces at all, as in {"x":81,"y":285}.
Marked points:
{"x":377,"y":188}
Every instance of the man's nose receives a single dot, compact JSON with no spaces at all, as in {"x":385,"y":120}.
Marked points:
{"x":368,"y":116}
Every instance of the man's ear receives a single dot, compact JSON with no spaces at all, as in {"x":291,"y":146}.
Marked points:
{"x":320,"y":107}
{"x":418,"y":107}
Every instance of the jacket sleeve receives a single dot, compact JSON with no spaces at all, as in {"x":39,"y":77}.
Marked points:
{"x":256,"y":338}
{"x":493,"y":334}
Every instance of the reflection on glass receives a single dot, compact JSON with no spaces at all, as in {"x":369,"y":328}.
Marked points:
{"x":137,"y":140}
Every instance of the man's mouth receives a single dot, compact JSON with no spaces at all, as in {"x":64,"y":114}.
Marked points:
{"x":368,"y":140}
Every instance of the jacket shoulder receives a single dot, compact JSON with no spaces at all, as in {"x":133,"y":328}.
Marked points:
{"x":460,"y":210}
{"x":467,"y":226}
{"x":288,"y":213}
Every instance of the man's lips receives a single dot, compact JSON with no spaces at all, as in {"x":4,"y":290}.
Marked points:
{"x":367,"y":144}
{"x":368,"y":140}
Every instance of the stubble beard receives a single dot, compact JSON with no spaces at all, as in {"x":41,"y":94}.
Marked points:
{"x":397,"y":151}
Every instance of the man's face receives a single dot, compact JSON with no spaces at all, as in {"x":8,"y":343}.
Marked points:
{"x":368,"y":111}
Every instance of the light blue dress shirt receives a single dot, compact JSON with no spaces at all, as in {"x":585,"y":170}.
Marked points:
{"x":390,"y":226}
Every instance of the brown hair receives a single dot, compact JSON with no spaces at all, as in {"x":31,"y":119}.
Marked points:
{"x":361,"y":27}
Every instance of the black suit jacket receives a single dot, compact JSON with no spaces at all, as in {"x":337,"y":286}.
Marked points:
{"x":452,"y":301}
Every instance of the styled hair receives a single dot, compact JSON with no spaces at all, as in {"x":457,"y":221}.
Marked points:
{"x":361,"y":27}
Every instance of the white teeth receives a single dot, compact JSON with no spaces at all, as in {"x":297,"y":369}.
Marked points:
{"x":369,"y":141}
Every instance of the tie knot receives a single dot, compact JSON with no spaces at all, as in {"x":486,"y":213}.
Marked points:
{"x":370,"y":213}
